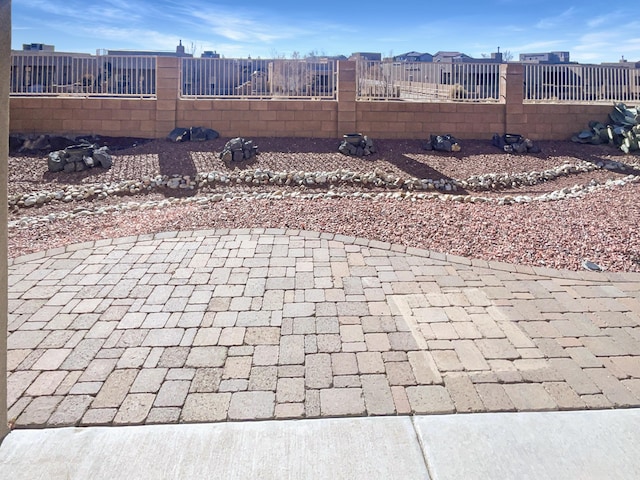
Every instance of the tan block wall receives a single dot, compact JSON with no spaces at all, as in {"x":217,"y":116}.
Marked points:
{"x":260,"y":118}
{"x":561,"y":122}
{"x":298,"y":118}
{"x":419,"y":120}
{"x":84,"y":116}
{"x":155,"y":118}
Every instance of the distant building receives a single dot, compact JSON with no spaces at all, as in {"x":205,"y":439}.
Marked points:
{"x":445,"y":57}
{"x":451,"y":57}
{"x":37,"y":47}
{"x":623,"y":62}
{"x":373,"y":57}
{"x":545,"y":58}
{"x":413,"y":57}
{"x":180,"y":52}
{"x":326,"y":58}
{"x":210,"y":54}
{"x":496,"y":57}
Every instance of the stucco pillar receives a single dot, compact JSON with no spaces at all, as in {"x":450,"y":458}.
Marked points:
{"x":512,"y":91}
{"x":167,"y":91}
{"x":347,"y":121}
{"x":5,"y":69}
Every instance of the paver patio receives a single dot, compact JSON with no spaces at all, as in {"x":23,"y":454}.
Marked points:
{"x":258,"y":324}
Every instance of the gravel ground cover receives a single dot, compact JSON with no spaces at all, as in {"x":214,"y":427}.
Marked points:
{"x":600,"y":226}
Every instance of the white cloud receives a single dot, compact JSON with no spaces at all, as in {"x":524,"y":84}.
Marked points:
{"x":239,"y":24}
{"x":79,"y":10}
{"x":557,"y":20}
{"x":610,"y":18}
{"x":136,"y":39}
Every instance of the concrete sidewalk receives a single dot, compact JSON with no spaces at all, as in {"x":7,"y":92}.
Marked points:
{"x":501,"y":446}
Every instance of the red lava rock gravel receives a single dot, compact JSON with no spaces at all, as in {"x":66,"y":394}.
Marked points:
{"x":601,"y":227}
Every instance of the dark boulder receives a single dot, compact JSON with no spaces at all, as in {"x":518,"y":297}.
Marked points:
{"x":179,"y":135}
{"x":15,"y":142}
{"x":201,"y":134}
{"x":35,"y":143}
{"x":193,"y":134}
{"x":442,"y":143}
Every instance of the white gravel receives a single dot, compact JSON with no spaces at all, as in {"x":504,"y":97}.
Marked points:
{"x":600,"y":227}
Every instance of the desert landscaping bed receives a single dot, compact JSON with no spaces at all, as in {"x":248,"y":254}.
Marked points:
{"x":598,"y":224}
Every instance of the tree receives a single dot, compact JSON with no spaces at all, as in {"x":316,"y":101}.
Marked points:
{"x":193,"y":49}
{"x":507,"y":56}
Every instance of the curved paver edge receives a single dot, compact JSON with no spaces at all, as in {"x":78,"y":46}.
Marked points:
{"x":605,"y":277}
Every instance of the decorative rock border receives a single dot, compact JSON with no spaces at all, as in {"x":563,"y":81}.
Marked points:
{"x":563,"y":194}
{"x":337,"y":178}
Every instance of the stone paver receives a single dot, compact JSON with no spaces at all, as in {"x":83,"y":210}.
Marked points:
{"x":261,"y":324}
{"x":341,"y":401}
{"x":206,"y":407}
{"x":251,"y":405}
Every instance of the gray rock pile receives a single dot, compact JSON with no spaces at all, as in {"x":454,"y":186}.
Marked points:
{"x":77,"y":158}
{"x":514,"y":143}
{"x":238,"y":150}
{"x":442,"y":143}
{"x":356,"y":145}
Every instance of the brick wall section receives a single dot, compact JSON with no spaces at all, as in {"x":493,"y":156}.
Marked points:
{"x":413,"y":120}
{"x":261,"y":118}
{"x":155,"y":118}
{"x":84,"y":116}
{"x":561,"y":121}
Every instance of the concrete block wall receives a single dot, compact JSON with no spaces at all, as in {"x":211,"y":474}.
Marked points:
{"x":561,"y":121}
{"x":419,"y":120}
{"x":155,"y":118}
{"x":260,"y":118}
{"x":84,"y":116}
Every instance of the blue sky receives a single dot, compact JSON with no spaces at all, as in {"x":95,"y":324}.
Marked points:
{"x":593,"y":31}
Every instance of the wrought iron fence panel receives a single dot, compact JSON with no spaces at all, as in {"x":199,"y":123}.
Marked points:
{"x":257,"y":78}
{"x":57,"y":74}
{"x":580,"y":83}
{"x":428,"y":82}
